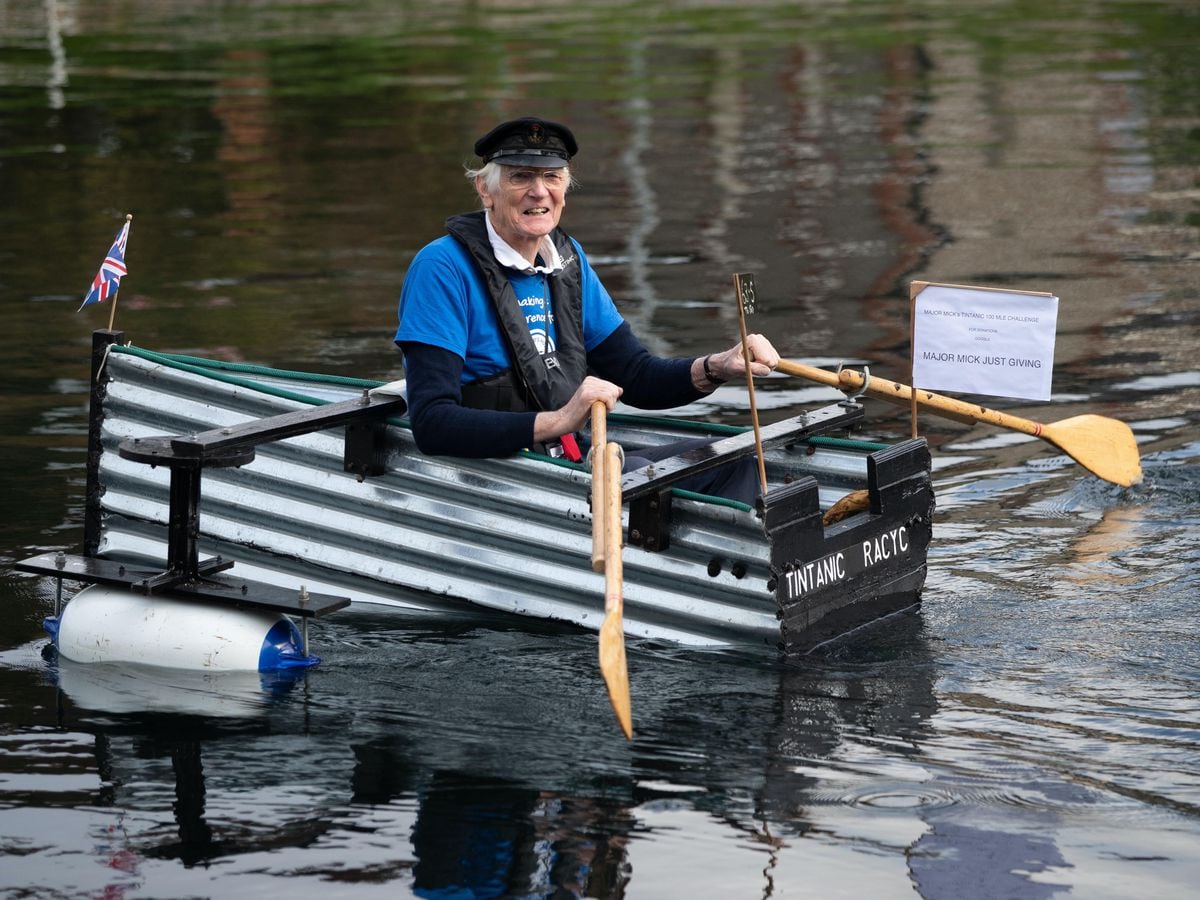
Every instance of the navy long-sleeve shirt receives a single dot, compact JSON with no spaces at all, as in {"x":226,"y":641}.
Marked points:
{"x":443,"y":426}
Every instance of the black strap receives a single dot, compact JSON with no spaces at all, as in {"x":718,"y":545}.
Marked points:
{"x":499,"y":392}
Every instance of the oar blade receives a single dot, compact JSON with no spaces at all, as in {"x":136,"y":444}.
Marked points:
{"x":855,"y":501}
{"x":1105,"y":447}
{"x":612,"y":630}
{"x":614,"y":668}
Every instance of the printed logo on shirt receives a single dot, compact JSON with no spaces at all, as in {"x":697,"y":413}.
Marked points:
{"x":541,"y":331}
{"x":543,"y":344}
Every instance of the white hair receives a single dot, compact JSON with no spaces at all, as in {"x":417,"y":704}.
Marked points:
{"x":490,"y":174}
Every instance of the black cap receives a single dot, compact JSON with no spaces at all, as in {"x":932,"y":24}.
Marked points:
{"x":528,"y":142}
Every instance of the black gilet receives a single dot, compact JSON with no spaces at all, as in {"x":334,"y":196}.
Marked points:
{"x":546,"y":382}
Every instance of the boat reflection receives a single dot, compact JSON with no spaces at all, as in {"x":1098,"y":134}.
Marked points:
{"x":370,"y":794}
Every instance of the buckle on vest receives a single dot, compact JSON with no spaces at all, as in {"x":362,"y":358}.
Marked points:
{"x":564,"y":446}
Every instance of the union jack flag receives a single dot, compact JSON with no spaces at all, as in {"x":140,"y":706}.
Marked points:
{"x":108,"y":279}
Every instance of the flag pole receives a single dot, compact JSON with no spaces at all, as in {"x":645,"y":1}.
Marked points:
{"x":112,"y":313}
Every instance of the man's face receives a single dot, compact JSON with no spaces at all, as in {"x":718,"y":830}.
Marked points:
{"x":528,"y":204}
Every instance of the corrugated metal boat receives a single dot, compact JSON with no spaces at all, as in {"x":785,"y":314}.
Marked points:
{"x":360,"y":512}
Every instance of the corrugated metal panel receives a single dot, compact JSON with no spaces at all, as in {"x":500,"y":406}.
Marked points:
{"x":511,"y":535}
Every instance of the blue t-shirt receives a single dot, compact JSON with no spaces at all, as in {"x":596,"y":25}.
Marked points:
{"x":444,"y":303}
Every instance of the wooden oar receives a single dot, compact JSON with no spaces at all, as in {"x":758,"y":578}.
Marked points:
{"x":1105,"y":447}
{"x":599,"y":439}
{"x":612,"y":630}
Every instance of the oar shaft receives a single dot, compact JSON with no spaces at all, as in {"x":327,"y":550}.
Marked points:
{"x":613,"y":570}
{"x":599,"y":483}
{"x":902,"y":394}
{"x":1105,"y":447}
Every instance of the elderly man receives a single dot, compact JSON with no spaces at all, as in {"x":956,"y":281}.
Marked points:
{"x":509,"y":336}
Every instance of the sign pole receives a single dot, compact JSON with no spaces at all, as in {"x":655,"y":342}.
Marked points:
{"x":743,"y":286}
{"x":914,"y":288}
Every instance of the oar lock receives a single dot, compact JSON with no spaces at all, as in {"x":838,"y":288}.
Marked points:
{"x":852,"y":396}
{"x":592,"y":449}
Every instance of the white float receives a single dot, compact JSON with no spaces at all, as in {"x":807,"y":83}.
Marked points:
{"x":106,"y":624}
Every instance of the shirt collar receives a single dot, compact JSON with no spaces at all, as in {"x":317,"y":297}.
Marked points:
{"x":507,"y":256}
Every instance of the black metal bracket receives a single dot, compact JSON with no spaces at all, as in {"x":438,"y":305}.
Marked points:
{"x":93,"y":510}
{"x":366,"y":448}
{"x":229,"y":591}
{"x":650,"y":521}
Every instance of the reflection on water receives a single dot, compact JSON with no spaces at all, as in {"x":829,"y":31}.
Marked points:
{"x":1032,"y":730}
{"x":437,"y":777}
{"x":129,"y":688}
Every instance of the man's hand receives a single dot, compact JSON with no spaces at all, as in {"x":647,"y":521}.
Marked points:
{"x":729,"y":364}
{"x":570,"y":417}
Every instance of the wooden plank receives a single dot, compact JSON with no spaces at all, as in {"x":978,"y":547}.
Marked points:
{"x":289,"y":424}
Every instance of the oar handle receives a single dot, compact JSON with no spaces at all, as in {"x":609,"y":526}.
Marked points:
{"x":901,"y":394}
{"x":599,"y":485}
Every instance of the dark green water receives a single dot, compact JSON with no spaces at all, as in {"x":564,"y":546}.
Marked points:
{"x":1032,"y":732}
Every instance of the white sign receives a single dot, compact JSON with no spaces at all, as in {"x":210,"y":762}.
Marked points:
{"x":981,"y":341}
